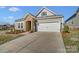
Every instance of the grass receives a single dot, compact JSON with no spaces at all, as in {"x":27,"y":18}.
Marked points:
{"x":71,"y":45}
{"x":2,"y":30}
{"x":6,"y":38}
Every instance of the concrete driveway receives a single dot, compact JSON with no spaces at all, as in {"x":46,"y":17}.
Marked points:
{"x":38,"y":42}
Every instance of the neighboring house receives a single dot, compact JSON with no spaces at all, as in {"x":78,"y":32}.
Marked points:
{"x":45,"y":20}
{"x":1,"y":27}
{"x":73,"y":21}
{"x":5,"y":27}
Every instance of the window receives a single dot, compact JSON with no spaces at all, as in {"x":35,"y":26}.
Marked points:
{"x":44,"y":14}
{"x":18,"y":25}
{"x":21,"y":25}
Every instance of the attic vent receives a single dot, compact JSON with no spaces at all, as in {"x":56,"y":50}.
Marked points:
{"x":44,"y":14}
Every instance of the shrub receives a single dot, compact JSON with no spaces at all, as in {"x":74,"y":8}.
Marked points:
{"x":66,"y":29}
{"x":15,"y":32}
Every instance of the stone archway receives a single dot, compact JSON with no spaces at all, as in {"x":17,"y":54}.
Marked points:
{"x":28,"y":25}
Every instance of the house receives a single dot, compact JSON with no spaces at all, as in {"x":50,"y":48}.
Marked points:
{"x":5,"y":27}
{"x":1,"y":27}
{"x":45,"y":20}
{"x":73,"y":21}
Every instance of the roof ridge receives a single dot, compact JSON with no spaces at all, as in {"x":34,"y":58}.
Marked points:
{"x":70,"y":17}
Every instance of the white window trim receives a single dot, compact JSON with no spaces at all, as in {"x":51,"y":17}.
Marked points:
{"x":21,"y":25}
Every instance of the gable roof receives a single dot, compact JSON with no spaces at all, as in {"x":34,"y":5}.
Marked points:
{"x":25,"y":16}
{"x":73,"y":15}
{"x":46,"y":9}
{"x":70,"y":18}
{"x":28,"y":14}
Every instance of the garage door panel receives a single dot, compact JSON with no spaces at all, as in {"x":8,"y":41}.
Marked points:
{"x":50,"y":27}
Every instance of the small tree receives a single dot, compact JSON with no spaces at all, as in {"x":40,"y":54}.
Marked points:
{"x":66,"y":29}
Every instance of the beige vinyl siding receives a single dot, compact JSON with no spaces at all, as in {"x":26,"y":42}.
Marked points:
{"x":50,"y":20}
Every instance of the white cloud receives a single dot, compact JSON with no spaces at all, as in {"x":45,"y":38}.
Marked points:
{"x":2,"y":7}
{"x":14,"y":9}
{"x":9,"y":17}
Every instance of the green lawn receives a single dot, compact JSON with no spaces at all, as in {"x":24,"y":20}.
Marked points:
{"x":71,"y":41}
{"x":7,"y":37}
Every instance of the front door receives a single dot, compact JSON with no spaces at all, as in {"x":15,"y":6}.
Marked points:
{"x":28,"y":25}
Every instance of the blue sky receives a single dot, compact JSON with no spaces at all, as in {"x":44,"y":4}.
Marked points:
{"x":8,"y":14}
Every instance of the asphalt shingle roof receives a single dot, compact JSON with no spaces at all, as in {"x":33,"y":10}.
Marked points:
{"x":72,"y":15}
{"x":25,"y":16}
{"x":70,"y":18}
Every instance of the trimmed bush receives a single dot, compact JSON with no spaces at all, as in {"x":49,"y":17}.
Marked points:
{"x":66,"y":29}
